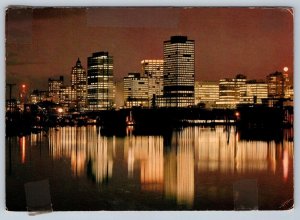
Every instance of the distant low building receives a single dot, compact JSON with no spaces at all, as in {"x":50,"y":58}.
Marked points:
{"x":277,"y":84}
{"x":253,"y":92}
{"x":229,"y":91}
{"x":136,"y":90}
{"x":39,"y":96}
{"x":207,"y":93}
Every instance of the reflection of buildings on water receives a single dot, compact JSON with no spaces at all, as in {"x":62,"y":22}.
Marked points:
{"x":179,"y":168}
{"x":148,"y":152}
{"x":101,"y":151}
{"x":167,"y":164}
{"x":86,"y":149}
{"x":69,"y":142}
{"x":215,"y":152}
{"x":171,"y":172}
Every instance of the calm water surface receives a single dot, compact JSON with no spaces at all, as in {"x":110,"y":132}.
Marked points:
{"x":195,"y":168}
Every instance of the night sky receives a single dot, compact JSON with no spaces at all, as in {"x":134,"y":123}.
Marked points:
{"x":46,"y":42}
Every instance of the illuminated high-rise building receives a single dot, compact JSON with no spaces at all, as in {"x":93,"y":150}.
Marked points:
{"x":136,"y":90}
{"x":54,"y":87}
{"x":100,"y":82}
{"x":78,"y":83}
{"x":153,"y":70}
{"x":179,"y":72}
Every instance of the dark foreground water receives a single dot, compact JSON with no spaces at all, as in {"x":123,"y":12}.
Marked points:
{"x":196,"y":168}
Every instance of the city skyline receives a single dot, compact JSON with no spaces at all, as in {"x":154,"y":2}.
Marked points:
{"x":144,"y":109}
{"x":224,"y":46}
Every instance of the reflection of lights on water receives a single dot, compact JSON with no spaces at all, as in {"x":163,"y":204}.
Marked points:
{"x":169,"y":171}
{"x":33,"y":139}
{"x":23,"y":149}
{"x":285,"y":164}
{"x":129,"y":130}
{"x":212,"y":153}
{"x":80,"y":144}
{"x":179,"y":179}
{"x":130,"y":162}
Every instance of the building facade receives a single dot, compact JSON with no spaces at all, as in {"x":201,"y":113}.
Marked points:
{"x":153,"y":70}
{"x":100,"y":82}
{"x":253,"y":92}
{"x":277,"y":84}
{"x":39,"y":96}
{"x":179,"y":72}
{"x":54,"y":87}
{"x":207,"y":93}
{"x":67,"y":98}
{"x":79,"y":84}
{"x":229,"y":91}
{"x":136,"y":90}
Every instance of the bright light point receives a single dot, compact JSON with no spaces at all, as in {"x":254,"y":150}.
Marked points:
{"x":237,"y":114}
{"x":23,"y":86}
{"x":60,"y":110}
{"x":285,"y":69}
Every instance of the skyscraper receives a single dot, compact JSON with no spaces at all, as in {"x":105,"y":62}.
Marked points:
{"x":179,"y":72}
{"x":153,"y":70}
{"x":100,"y":82}
{"x":78,"y":84}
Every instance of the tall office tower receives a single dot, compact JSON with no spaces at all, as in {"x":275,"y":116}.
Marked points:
{"x":136,"y":90}
{"x":153,"y":70}
{"x":100,"y":84}
{"x":253,"y":92}
{"x":54,"y":86}
{"x":78,"y":84}
{"x":179,"y":72}
{"x":278,"y":83}
{"x":229,"y":95}
{"x":206,"y":92}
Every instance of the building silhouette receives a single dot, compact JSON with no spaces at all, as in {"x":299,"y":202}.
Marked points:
{"x":136,"y":90}
{"x":78,"y":84}
{"x":153,"y":70}
{"x":179,"y":72}
{"x":100,"y":82}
